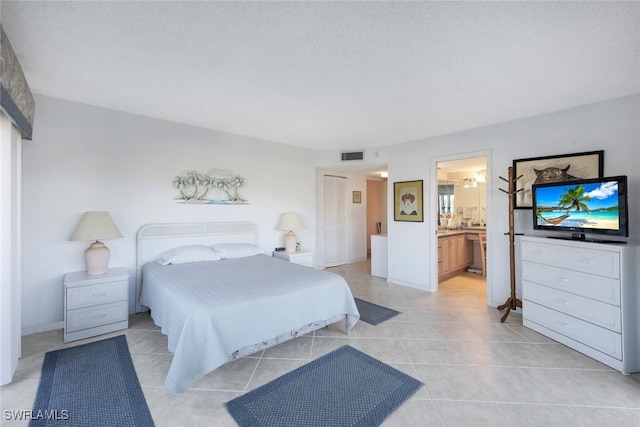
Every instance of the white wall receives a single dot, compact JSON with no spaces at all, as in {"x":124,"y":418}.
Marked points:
{"x":85,"y":158}
{"x":613,"y":126}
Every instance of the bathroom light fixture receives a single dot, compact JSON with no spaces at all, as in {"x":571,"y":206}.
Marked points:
{"x":469,"y":183}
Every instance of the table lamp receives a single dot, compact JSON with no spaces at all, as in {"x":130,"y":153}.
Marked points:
{"x":289,"y":222}
{"x":96,"y":226}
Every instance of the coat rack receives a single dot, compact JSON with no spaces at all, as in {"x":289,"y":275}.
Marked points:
{"x":512,"y":302}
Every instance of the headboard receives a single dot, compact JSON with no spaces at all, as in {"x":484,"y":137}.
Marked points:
{"x":154,"y":239}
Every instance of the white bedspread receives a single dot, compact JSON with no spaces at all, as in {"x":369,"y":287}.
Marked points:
{"x":213,"y":312}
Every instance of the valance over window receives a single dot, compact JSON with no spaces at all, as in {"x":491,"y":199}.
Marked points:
{"x":15,"y":96}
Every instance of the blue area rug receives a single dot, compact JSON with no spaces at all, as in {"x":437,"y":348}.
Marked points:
{"x":91,"y":384}
{"x":374,"y":314}
{"x":343,"y":388}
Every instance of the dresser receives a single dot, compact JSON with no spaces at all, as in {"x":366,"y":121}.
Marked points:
{"x":583,"y":295}
{"x":95,"y":305}
{"x":300,"y":257}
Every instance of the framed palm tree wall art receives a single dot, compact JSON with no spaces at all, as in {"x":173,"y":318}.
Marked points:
{"x":214,"y":187}
{"x":408,"y":201}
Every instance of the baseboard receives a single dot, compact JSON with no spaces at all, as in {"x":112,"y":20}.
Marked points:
{"x":408,"y":284}
{"x":42,"y":328}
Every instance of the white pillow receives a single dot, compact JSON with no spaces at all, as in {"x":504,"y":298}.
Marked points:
{"x":187,"y":254}
{"x":236,"y":250}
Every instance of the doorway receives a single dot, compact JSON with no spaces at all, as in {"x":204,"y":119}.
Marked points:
{"x":352,"y":202}
{"x":376,"y":206}
{"x":459,"y":217}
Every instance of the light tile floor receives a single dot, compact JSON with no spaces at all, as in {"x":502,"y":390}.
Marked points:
{"x":476,"y":370}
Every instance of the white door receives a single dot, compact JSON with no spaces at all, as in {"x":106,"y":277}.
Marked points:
{"x":10,"y":255}
{"x":335,"y":239}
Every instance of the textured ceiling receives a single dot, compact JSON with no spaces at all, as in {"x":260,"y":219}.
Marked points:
{"x":324,"y":75}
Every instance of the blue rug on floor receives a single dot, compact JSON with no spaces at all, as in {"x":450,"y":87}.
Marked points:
{"x":92,"y":384}
{"x":343,"y":388}
{"x":374,"y":314}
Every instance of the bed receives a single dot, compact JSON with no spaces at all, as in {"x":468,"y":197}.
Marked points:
{"x":214,"y":312}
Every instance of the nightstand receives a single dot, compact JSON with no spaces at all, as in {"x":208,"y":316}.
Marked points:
{"x":301,"y":257}
{"x":95,"y":305}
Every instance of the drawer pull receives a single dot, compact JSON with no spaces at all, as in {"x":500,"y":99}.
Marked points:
{"x":587,"y":261}
{"x":564,"y":325}
{"x":563,"y":301}
{"x":98,"y":316}
{"x":562,"y":279}
{"x":98,"y":294}
{"x":541,"y":253}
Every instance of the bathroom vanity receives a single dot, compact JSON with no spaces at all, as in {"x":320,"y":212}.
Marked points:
{"x":457,"y":251}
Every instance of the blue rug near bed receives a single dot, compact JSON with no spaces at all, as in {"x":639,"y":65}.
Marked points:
{"x":343,"y":388}
{"x":91,"y":384}
{"x":374,"y":314}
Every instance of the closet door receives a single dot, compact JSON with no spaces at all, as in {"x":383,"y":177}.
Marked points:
{"x":10,"y":243}
{"x":335,"y":238}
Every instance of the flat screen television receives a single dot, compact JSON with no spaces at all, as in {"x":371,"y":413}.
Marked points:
{"x":583,"y":206}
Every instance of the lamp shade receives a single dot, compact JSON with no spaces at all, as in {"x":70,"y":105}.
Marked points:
{"x":96,"y":226}
{"x":290,"y":221}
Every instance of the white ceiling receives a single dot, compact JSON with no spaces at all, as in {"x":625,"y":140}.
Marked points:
{"x":327,"y":75}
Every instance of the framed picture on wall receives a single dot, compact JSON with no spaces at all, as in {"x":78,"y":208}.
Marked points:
{"x":408,"y":201}
{"x":357,"y":197}
{"x":563,"y":167}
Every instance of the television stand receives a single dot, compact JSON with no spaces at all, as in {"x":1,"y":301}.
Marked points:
{"x":584,"y":296}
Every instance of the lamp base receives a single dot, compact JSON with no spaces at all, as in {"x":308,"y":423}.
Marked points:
{"x":290,"y":241}
{"x":97,"y":259}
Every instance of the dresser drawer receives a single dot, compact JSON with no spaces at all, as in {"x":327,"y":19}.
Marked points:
{"x":85,"y":318}
{"x":586,"y":260}
{"x":600,"y":288}
{"x":596,"y":312}
{"x":86,"y":296}
{"x":600,"y":339}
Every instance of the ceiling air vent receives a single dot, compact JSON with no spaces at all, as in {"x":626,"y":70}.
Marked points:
{"x":353,"y":155}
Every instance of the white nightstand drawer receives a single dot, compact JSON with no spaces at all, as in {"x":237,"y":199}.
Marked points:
{"x":301,"y":257}
{"x":306,"y":260}
{"x":86,"y":296}
{"x":85,"y":318}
